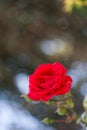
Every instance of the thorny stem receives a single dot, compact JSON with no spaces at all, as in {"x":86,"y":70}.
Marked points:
{"x":69,"y":117}
{"x":59,"y":121}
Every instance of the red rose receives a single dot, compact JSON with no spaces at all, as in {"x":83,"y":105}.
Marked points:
{"x":47,"y":81}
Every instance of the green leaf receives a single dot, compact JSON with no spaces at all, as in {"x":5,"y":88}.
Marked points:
{"x":69,"y":103}
{"x":61,"y":111}
{"x":85,"y":103}
{"x":84,"y":117}
{"x":47,"y":120}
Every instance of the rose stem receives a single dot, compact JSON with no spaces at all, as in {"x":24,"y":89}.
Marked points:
{"x":59,"y":121}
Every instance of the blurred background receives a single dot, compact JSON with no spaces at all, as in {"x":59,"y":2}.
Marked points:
{"x":34,"y":32}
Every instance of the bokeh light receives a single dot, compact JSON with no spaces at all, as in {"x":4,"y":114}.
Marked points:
{"x":56,"y":47}
{"x":21,"y":81}
{"x":14,"y":117}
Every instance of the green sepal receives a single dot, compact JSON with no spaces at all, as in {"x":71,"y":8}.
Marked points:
{"x":26,"y":98}
{"x":68,"y":94}
{"x":50,"y":102}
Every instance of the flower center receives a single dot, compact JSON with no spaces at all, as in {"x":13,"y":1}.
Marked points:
{"x":46,"y":81}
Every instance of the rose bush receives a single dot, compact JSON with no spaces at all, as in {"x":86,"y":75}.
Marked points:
{"x":47,"y":81}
